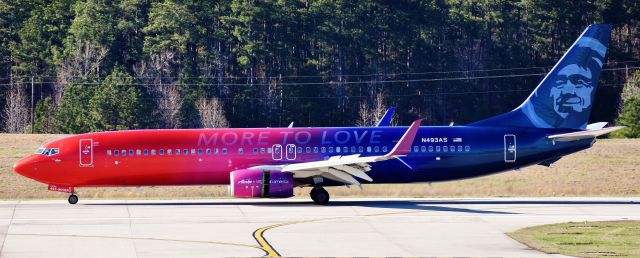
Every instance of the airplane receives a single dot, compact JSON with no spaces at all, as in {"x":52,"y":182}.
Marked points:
{"x":269,"y":162}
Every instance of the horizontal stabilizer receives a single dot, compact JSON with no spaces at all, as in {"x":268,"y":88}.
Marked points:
{"x":567,"y":137}
{"x":595,"y":126}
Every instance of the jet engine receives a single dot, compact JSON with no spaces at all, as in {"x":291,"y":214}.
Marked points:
{"x":257,"y":183}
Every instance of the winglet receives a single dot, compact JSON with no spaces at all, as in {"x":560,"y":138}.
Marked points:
{"x":404,"y":144}
{"x":386,"y":118}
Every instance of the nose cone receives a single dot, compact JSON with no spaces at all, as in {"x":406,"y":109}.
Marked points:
{"x":25,"y":166}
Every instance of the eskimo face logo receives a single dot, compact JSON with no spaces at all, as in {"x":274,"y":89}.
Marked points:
{"x":572,"y":92}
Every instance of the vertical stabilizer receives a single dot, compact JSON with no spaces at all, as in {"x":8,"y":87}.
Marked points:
{"x":564,"y":98}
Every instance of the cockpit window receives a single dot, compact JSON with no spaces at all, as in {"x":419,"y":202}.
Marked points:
{"x":48,"y":151}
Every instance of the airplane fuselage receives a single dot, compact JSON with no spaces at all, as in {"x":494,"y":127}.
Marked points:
{"x":207,"y":156}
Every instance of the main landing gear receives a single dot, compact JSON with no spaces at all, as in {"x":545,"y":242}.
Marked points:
{"x":319,"y":195}
{"x":73,"y":199}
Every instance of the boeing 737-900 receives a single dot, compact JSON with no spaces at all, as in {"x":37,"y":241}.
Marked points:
{"x":270,"y":162}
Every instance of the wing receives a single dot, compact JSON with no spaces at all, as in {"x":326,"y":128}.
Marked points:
{"x":385,"y":120}
{"x":345,"y":168}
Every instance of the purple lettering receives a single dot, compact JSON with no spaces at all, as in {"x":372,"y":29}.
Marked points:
{"x":303,"y":137}
{"x":203,"y":140}
{"x":246,"y":138}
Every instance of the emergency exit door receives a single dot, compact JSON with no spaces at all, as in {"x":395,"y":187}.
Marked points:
{"x":86,"y":152}
{"x":510,"y":148}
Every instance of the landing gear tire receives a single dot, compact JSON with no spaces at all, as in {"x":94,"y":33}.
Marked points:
{"x":313,"y":194}
{"x":73,"y":199}
{"x":319,"y":195}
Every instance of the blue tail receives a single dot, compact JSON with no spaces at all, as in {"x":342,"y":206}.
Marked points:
{"x":563,"y":99}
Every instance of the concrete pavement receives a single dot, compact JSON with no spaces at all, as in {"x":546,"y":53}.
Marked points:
{"x":292,"y":227}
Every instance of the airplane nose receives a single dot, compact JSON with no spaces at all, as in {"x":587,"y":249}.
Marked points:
{"x":24,"y":166}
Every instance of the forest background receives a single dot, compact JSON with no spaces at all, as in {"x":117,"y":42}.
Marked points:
{"x":79,"y":66}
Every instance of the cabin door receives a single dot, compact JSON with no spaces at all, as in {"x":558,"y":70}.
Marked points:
{"x":276,"y":152}
{"x":86,"y":152}
{"x":291,"y":151}
{"x":510,"y":148}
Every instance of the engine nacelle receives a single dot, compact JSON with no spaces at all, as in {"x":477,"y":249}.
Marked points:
{"x":256,"y":183}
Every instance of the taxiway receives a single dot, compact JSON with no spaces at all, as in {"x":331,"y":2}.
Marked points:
{"x":293,"y":227}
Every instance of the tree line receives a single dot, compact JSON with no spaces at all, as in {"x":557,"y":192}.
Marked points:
{"x":128,"y":64}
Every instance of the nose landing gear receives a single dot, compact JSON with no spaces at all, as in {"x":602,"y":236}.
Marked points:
{"x":319,"y":195}
{"x":73,"y":199}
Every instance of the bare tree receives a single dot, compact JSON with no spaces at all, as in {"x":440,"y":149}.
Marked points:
{"x":16,"y":111}
{"x":169,"y":101}
{"x":631,"y":88}
{"x":169,"y":104}
{"x":85,"y":59}
{"x":368,"y":115}
{"x":211,"y":113}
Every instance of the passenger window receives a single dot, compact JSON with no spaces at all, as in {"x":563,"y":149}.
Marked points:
{"x":185,"y":152}
{"x":353,"y":149}
{"x":423,"y":148}
{"x":177,"y":151}
{"x":323,"y":149}
{"x":299,"y":149}
{"x":330,"y":149}
{"x":307,"y":149}
{"x":224,"y":151}
{"x":124,"y":153}
{"x":416,"y":149}
{"x":437,"y":148}
{"x":146,"y":152}
{"x":360,"y":149}
{"x":459,"y":148}
{"x":345,"y":149}
{"x":115,"y":153}
{"x":337,"y":149}
{"x":153,"y":152}
{"x":169,"y":151}
{"x":269,"y":150}
{"x":430,"y":148}
{"x":315,"y":149}
{"x":467,"y":148}
{"x":138,"y":152}
{"x":215,"y":151}
{"x":108,"y":152}
{"x":255,"y":150}
{"x":240,"y":151}
{"x":261,"y":150}
{"x":368,"y":148}
{"x":130,"y":152}
{"x":384,"y":149}
{"x":445,"y":148}
{"x":453,"y":148}
{"x":161,"y":152}
{"x":193,"y":151}
{"x":199,"y":151}
{"x":376,"y":148}
{"x":208,"y":151}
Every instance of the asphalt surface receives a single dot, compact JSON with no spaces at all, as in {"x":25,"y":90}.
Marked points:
{"x":471,"y":227}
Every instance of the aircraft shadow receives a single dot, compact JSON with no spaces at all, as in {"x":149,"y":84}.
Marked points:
{"x":424,"y":205}
{"x":397,"y":205}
